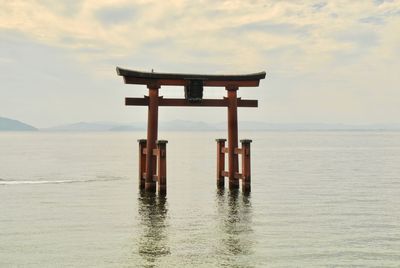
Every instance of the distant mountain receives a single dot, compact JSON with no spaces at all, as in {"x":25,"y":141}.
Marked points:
{"x":7,"y":124}
{"x":85,"y":126}
{"x":175,"y":125}
{"x":127,"y":128}
{"x":263,"y":126}
{"x":249,"y":125}
{"x":186,"y":125}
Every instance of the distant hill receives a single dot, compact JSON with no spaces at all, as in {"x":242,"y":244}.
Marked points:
{"x":7,"y":124}
{"x":178,"y":125}
{"x":254,"y":126}
{"x":186,"y":125}
{"x":85,"y":127}
{"x":127,"y":128}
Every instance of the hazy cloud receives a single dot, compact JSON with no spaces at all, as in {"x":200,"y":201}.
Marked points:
{"x":319,"y":43}
{"x":116,"y":15}
{"x":63,"y":8}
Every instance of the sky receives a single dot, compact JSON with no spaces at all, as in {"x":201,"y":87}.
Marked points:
{"x":326,"y":61}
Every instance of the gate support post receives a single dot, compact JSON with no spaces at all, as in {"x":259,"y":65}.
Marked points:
{"x":142,"y":163}
{"x":232,"y":137}
{"x":152,"y":129}
{"x":162,"y":166}
{"x":246,"y":171}
{"x":220,"y":163}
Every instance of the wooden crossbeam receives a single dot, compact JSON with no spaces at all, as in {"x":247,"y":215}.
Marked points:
{"x":237,"y":175}
{"x":180,"y":82}
{"x":183,"y":102}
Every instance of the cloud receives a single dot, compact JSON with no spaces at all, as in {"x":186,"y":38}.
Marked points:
{"x":229,"y":31}
{"x":373,"y":20}
{"x":63,"y":8}
{"x":115,"y":15}
{"x":237,"y":33}
{"x":304,"y":41}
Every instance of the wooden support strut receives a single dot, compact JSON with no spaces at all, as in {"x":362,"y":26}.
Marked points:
{"x":220,"y":163}
{"x":162,"y":166}
{"x":160,"y":154}
{"x":142,"y":163}
{"x":246,"y":171}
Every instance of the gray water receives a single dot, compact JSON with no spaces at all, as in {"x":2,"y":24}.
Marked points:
{"x":322,"y":199}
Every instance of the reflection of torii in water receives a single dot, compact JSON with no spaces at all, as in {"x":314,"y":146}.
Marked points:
{"x":235,"y":233}
{"x":153,"y":243}
{"x":152,"y":153}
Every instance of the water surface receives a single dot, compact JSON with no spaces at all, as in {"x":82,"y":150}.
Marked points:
{"x":318,"y":199}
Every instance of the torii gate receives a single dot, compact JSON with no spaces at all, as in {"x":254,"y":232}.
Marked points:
{"x":152,"y":152}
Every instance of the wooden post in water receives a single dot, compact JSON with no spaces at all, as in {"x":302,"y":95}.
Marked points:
{"x":152,"y":130}
{"x":162,"y":166}
{"x":142,"y":163}
{"x":233,"y":167}
{"x":220,"y":163}
{"x":246,"y":171}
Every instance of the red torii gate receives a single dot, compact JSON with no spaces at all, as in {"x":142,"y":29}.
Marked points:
{"x":152,"y":152}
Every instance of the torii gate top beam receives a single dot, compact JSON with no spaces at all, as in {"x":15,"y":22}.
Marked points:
{"x":177,"y":79}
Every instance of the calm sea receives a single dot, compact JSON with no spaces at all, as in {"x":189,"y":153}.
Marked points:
{"x":319,"y":199}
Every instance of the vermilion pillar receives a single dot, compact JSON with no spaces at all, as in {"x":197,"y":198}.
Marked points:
{"x":246,"y":169}
{"x":162,"y":166}
{"x":152,"y":130}
{"x":232,"y":137}
{"x":142,"y":163}
{"x":220,"y":163}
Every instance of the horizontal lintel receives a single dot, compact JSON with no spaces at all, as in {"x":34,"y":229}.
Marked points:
{"x":155,"y":75}
{"x":183,"y":102}
{"x":183,"y":82}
